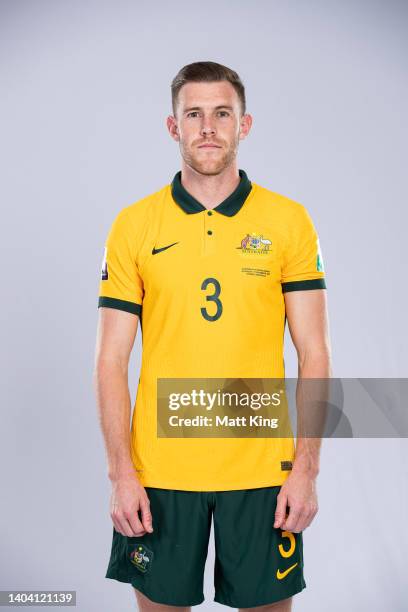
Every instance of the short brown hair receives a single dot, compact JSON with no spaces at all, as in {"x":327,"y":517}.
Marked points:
{"x":207,"y":72}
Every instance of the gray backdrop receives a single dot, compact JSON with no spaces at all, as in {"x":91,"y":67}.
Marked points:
{"x":84,"y":97}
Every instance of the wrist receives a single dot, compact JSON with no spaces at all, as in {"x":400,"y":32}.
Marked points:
{"x":122,"y":474}
{"x":305,"y":467}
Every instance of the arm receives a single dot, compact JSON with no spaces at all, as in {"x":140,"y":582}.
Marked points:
{"x":308,"y":324}
{"x":115,"y":338}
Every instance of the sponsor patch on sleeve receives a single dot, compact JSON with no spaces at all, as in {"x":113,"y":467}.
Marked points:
{"x":319,"y":258}
{"x":104,"y":269}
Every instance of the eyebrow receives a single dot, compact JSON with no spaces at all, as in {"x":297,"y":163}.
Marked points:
{"x":197,"y":108}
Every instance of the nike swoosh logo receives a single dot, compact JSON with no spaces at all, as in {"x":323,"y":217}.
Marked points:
{"x":154,"y":251}
{"x":281,"y":575}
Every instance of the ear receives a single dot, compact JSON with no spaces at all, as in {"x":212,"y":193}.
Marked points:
{"x":172,"y":127}
{"x":245,"y":126}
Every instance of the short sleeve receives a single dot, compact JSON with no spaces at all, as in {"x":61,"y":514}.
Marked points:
{"x":302,"y":266}
{"x":121,"y":285}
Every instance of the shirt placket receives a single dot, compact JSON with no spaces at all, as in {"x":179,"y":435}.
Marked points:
{"x":209,"y":232}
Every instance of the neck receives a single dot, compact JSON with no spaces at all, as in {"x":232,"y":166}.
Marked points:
{"x":210,"y":190}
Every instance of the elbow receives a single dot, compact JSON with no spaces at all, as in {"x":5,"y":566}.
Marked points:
{"x":107,"y":367}
{"x":316,"y":361}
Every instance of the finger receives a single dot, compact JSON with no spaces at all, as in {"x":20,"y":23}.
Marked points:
{"x":147,"y":519}
{"x":280,"y":512}
{"x":308,"y":517}
{"x":116,"y":525}
{"x":303,"y":522}
{"x":294,"y":515}
{"x":117,"y":519}
{"x":127,"y":528}
{"x":135,"y":523}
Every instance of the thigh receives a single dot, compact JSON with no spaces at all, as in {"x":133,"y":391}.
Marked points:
{"x":167,"y":565}
{"x":256,"y":564}
{"x":144,"y":604}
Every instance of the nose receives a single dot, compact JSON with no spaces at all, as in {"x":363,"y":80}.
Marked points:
{"x":207,"y":127}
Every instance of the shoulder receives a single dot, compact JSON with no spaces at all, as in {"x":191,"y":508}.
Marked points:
{"x":145,"y":207}
{"x":281,"y":209}
{"x":133,"y":223}
{"x":277,"y":201}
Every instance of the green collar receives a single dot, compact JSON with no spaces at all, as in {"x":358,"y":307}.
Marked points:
{"x":229,"y":207}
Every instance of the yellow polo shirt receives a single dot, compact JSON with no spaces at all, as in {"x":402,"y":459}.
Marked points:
{"x":208,"y":288}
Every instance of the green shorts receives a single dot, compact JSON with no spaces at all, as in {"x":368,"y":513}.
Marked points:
{"x":255,"y":563}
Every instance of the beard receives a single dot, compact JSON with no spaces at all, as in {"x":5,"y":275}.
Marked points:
{"x":209,"y":166}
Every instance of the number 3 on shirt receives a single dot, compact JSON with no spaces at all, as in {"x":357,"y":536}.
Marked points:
{"x":212,"y":297}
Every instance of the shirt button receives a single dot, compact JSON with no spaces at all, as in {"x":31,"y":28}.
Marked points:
{"x":209,"y":212}
{"x":209,"y":232}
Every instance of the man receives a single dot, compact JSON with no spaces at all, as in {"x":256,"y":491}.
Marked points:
{"x":212,"y":265}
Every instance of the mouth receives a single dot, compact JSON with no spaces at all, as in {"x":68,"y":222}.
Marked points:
{"x":209,"y":146}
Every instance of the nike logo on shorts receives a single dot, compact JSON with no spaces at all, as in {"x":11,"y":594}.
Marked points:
{"x":281,"y":575}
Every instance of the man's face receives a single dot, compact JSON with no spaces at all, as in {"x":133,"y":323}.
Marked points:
{"x":208,"y":125}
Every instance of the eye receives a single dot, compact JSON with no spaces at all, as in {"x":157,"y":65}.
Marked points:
{"x":192,"y":114}
{"x":224,"y":113}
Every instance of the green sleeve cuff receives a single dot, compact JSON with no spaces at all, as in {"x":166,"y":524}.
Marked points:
{"x":109,"y":302}
{"x":315,"y":283}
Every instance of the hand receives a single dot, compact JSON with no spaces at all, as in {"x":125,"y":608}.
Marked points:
{"x":128,"y":497}
{"x":299,"y":493}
